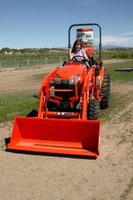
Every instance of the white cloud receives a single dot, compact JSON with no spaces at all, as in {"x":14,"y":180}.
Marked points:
{"x":125,"y":40}
{"x":128,"y":34}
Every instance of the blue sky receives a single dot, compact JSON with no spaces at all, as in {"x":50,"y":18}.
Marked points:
{"x":44,"y":23}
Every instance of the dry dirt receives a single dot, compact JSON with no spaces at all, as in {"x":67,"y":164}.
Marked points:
{"x":33,"y":177}
{"x":13,"y":81}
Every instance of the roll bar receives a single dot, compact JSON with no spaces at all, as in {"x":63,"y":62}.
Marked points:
{"x":87,"y":24}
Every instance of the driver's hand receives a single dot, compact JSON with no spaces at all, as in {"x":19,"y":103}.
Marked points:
{"x":70,"y":61}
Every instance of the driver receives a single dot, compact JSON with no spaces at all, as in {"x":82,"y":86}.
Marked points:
{"x":78,"y":51}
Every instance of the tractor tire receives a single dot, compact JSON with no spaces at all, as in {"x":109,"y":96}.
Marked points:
{"x":33,"y":113}
{"x":93,"y":110}
{"x":105,"y":91}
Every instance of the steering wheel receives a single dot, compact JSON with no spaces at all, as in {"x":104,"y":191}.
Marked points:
{"x":84,"y":61}
{"x":74,"y":58}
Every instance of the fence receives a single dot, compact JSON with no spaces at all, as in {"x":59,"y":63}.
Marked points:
{"x":26,"y":60}
{"x":22,"y":62}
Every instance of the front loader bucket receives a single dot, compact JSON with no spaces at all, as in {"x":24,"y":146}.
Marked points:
{"x":60,"y":136}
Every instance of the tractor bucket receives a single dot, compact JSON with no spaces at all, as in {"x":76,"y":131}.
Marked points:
{"x":59,"y":136}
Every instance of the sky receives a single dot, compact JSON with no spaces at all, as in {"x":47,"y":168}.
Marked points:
{"x":44,"y":23}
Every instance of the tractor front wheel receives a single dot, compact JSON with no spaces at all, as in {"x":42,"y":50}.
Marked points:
{"x":93,"y":109}
{"x":32,"y":113}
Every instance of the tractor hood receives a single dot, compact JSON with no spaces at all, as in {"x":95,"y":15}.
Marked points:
{"x":71,"y":69}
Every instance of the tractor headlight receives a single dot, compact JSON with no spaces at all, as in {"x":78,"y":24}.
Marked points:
{"x":57,"y":79}
{"x":71,"y":81}
{"x":74,"y":78}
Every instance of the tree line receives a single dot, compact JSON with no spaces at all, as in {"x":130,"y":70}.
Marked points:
{"x":7,"y":50}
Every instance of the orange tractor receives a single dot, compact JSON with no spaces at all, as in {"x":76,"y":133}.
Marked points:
{"x":70,"y":100}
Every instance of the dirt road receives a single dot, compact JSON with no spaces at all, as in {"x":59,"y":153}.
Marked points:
{"x":33,"y":177}
{"x":13,"y":81}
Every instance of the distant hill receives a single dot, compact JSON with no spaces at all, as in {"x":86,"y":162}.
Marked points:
{"x":116,"y":47}
{"x":112,"y":47}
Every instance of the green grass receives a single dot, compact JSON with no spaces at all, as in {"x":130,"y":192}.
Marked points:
{"x":18,"y":104}
{"x":120,"y":76}
{"x":121,"y":54}
{"x":11,"y":105}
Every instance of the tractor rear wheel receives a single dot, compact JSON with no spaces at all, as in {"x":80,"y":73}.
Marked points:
{"x":93,"y":109}
{"x":105,"y":91}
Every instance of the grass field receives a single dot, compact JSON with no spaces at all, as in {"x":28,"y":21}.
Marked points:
{"x":22,"y":103}
{"x":19,"y":61}
{"x":121,"y":76}
{"x":17,"y":104}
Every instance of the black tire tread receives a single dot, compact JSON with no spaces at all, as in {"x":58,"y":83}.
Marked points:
{"x":105,"y":91}
{"x":93,"y":109}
